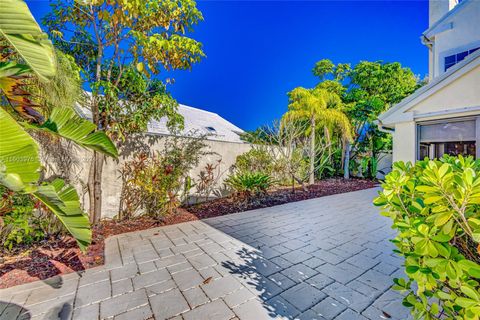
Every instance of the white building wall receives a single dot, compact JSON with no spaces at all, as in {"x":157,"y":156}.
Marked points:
{"x":464,"y":35}
{"x":404,"y":142}
{"x":111,"y":180}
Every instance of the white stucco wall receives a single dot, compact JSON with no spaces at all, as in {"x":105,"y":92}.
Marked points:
{"x":463,"y":92}
{"x":111,"y":181}
{"x":404,"y":142}
{"x":463,"y":35}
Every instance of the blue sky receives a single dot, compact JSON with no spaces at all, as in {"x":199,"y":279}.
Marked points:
{"x":257,"y":51}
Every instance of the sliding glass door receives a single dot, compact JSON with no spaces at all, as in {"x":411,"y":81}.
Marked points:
{"x":452,"y":136}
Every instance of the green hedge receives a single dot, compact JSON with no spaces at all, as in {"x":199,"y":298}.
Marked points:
{"x":434,"y":206}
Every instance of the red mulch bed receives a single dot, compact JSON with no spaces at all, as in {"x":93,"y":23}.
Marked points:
{"x":60,"y":256}
{"x":322,"y":188}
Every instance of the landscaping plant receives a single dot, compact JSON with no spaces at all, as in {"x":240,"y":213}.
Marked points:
{"x":320,"y":108}
{"x":366,"y":89}
{"x":256,"y":159}
{"x":27,"y":53}
{"x":434,"y":205}
{"x":153,"y":184}
{"x":121,"y":46}
{"x":249,"y":184}
{"x":208,"y":179}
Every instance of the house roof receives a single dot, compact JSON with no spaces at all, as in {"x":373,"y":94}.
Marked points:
{"x":200,"y":122}
{"x":453,"y":73}
{"x":197,"y":122}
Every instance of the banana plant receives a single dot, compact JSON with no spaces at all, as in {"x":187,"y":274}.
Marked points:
{"x":19,"y":157}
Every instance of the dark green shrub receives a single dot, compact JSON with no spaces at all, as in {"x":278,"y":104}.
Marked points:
{"x":434,"y":206}
{"x":249,"y":184}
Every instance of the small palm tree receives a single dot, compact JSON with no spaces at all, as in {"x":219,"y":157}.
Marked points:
{"x":320,"y":108}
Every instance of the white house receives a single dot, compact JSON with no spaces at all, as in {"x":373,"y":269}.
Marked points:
{"x":443,"y":116}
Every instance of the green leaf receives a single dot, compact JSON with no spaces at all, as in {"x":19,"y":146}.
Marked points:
{"x":442,"y":218}
{"x":10,"y":68}
{"x":412,"y":269}
{"x":444,"y":252}
{"x":472,"y":268}
{"x":423,"y":229}
{"x":67,"y":124}
{"x":468,"y":176}
{"x":19,"y":171}
{"x":426,"y":189}
{"x":443,"y":169}
{"x":19,"y":160}
{"x":379,"y":201}
{"x":451,"y":272}
{"x":20,"y":29}
{"x":432,"y":199}
{"x":465,"y":302}
{"x":432,"y":250}
{"x":476,"y":236}
{"x":64,"y":202}
{"x":443,"y":295}
{"x":469,"y":292}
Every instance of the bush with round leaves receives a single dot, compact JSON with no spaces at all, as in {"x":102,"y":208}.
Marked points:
{"x":435,"y":207}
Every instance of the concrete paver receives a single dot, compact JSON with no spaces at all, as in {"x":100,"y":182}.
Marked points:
{"x":325,"y":258}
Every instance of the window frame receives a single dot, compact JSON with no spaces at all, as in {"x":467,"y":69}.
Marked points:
{"x":448,"y":120}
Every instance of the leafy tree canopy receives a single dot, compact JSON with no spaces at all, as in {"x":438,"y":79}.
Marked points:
{"x":150,"y":34}
{"x":120,"y":45}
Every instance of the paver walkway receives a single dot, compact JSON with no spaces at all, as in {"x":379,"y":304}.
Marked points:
{"x":325,"y":258}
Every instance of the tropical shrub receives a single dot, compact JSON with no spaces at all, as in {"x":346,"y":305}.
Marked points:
{"x":15,"y":219}
{"x":208,"y":179}
{"x":249,"y":184}
{"x":26,"y":52}
{"x":21,"y":227}
{"x":153,"y":183}
{"x":434,"y":205}
{"x":255,"y":160}
{"x":25,"y":220}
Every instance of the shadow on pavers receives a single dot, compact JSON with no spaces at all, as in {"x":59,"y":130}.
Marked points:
{"x":12,"y":311}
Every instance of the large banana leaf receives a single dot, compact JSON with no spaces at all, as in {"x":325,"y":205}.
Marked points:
{"x":66,"y":123}
{"x":64,"y":202}
{"x":21,"y":30}
{"x":19,"y":160}
{"x":19,"y":171}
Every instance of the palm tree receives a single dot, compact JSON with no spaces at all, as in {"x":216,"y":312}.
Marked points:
{"x":320,"y":108}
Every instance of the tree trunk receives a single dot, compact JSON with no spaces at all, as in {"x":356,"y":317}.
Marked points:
{"x":329,"y":142}
{"x":346,"y":163}
{"x":95,"y":187}
{"x":96,"y":166}
{"x":90,"y":184}
{"x":311,"y":179}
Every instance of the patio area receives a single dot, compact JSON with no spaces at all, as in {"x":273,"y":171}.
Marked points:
{"x":325,"y":258}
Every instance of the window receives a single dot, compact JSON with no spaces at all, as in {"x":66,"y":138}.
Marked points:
{"x":452,"y":60}
{"x":211,"y":129}
{"x":453,"y":137}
